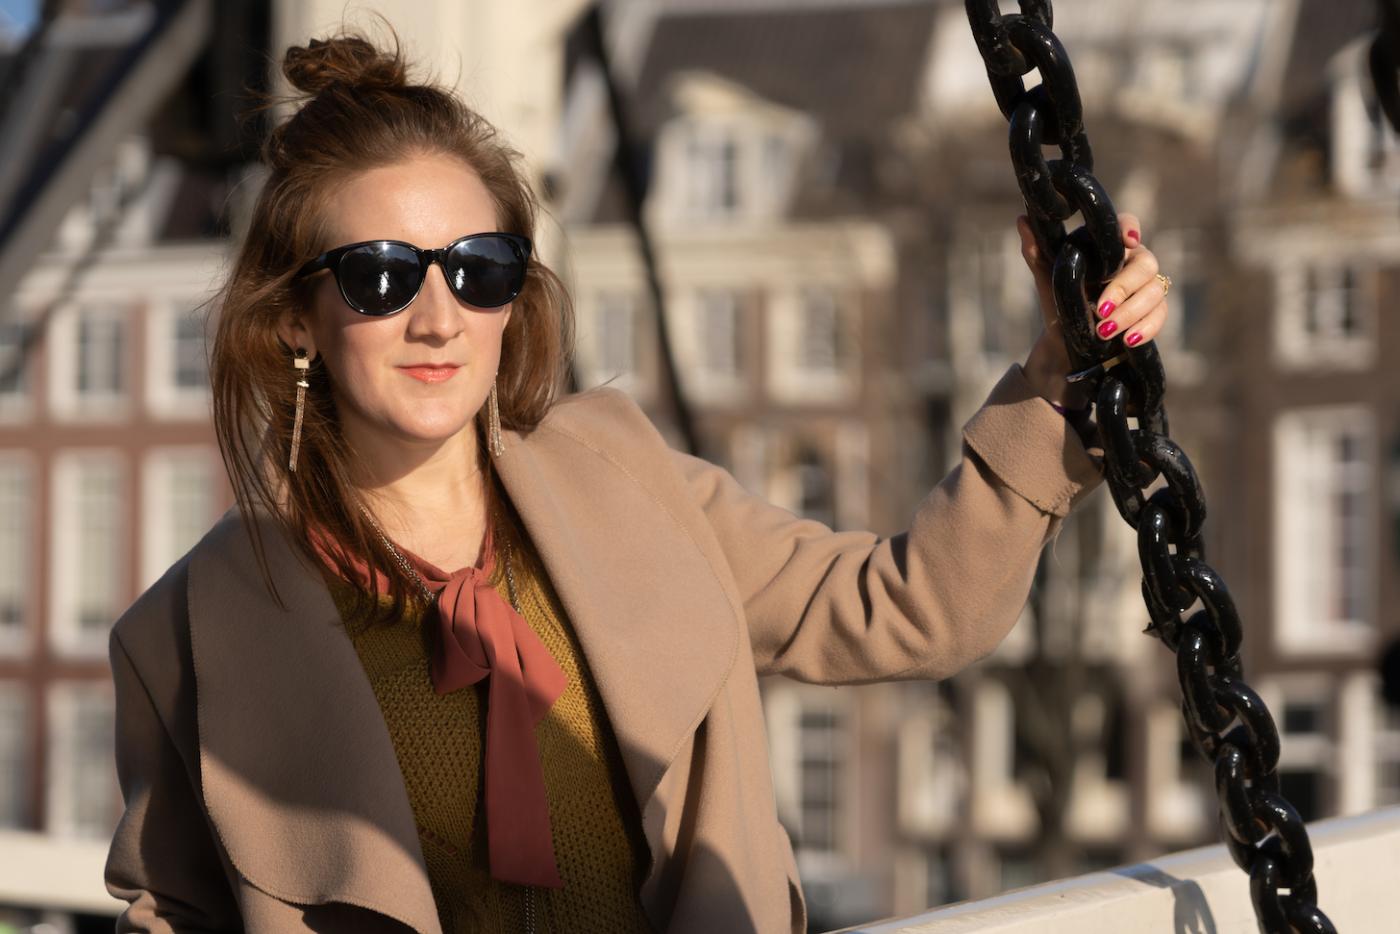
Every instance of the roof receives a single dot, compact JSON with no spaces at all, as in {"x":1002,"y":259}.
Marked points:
{"x":853,"y":69}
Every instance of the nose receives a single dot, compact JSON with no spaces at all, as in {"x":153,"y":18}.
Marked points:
{"x":435,"y":314}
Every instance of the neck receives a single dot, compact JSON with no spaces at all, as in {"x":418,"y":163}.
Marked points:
{"x":413,"y":488}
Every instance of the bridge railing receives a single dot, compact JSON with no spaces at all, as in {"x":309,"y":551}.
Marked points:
{"x":1202,"y":891}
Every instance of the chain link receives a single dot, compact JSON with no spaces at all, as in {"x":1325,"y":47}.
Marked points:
{"x":1384,"y":61}
{"x":1227,"y":722}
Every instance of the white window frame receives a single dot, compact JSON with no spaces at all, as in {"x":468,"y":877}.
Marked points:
{"x":690,"y":318}
{"x":66,"y":402}
{"x":20,"y":641}
{"x":1297,"y":545}
{"x":164,"y":397}
{"x":158,"y":550}
{"x":65,"y":634}
{"x":65,"y":698}
{"x":788,"y":381}
{"x":1294,"y":347}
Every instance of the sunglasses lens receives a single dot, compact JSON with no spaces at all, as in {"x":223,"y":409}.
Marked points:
{"x":379,"y":279}
{"x":486,"y":271}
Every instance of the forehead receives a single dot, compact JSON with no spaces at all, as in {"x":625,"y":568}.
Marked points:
{"x":427,"y":200}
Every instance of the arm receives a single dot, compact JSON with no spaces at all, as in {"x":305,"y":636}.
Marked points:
{"x":848,"y":607}
{"x":163,"y":859}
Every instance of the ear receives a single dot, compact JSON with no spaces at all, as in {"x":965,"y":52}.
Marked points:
{"x":292,"y":329}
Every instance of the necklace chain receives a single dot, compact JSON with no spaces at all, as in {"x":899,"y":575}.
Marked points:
{"x":428,"y":595}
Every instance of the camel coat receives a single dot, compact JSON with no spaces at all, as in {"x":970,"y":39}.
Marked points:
{"x":262,"y":791}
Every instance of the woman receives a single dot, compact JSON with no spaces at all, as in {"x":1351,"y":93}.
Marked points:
{"x":322,"y":726}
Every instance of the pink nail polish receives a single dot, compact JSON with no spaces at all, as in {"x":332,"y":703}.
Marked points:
{"x":1134,"y":236}
{"x":1107,"y":328}
{"x":1106,"y":309}
{"x":1132,"y":339}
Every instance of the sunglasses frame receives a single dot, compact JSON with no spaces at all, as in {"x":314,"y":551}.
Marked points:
{"x":426,"y":257}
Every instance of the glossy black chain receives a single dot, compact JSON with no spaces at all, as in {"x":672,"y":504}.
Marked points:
{"x":1385,"y":61}
{"x":1226,"y":720}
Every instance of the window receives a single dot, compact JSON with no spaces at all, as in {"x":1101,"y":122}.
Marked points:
{"x":815,"y":490}
{"x":1307,"y":750}
{"x":1007,"y":302}
{"x":14,"y":759}
{"x":14,"y":363}
{"x":719,"y":333}
{"x":16,"y":540}
{"x":1326,"y":513}
{"x":83,"y":795}
{"x":617,"y":336}
{"x":178,"y":502}
{"x":89,"y":542}
{"x":1387,"y":754}
{"x":88,"y":376}
{"x":819,"y":350}
{"x":821,"y":732}
{"x":191,"y":365}
{"x":1326,"y":316}
{"x":712,"y":169}
{"x":177,"y":374}
{"x":808,"y":347}
{"x":101,"y":344}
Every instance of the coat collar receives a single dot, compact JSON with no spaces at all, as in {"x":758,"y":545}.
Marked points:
{"x":299,"y":773}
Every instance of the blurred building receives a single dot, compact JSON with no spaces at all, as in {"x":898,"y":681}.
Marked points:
{"x":764,"y":123}
{"x":832,"y":206}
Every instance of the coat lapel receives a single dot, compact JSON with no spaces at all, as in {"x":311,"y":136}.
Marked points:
{"x":299,"y":773}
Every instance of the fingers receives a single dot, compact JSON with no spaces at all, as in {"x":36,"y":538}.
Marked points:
{"x":1131,"y":294}
{"x":1147,"y":327}
{"x":1131,"y":227}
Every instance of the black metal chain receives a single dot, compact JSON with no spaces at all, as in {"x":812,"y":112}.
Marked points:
{"x":1226,"y":720}
{"x":1385,"y":61}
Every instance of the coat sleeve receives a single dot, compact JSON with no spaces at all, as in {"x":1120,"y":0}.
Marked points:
{"x":163,"y":859}
{"x":850,"y":607}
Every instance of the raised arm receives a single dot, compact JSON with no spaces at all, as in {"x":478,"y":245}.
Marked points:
{"x":849,"y":607}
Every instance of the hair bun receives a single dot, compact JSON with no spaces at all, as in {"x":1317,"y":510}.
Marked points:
{"x":344,"y":59}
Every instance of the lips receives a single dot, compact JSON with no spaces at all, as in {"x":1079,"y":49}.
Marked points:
{"x":431,"y":372}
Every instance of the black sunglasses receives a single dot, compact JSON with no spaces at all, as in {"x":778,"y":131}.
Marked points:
{"x":381,"y":277}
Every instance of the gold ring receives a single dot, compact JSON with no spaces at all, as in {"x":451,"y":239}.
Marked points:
{"x":1166,"y":284}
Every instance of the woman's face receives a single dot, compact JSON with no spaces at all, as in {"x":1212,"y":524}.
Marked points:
{"x":385,"y":397}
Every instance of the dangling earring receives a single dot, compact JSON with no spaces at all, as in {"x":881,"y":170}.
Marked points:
{"x":493,"y":422}
{"x":302,"y":365}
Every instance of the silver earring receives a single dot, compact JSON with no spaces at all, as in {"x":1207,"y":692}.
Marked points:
{"x":302,"y":365}
{"x":493,"y":422}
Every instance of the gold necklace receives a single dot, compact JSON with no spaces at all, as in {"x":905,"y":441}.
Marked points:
{"x":408,"y":569}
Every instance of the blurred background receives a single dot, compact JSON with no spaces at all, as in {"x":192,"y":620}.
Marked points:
{"x":826,"y":187}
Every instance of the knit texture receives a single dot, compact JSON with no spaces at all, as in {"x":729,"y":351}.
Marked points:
{"x":598,"y":841}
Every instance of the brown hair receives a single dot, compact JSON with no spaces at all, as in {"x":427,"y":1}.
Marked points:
{"x":358,"y":110}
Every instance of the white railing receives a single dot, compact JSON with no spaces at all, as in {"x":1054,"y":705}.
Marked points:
{"x":43,"y":871}
{"x":1357,"y":866}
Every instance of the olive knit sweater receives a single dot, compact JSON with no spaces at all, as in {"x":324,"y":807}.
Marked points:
{"x":598,"y":842}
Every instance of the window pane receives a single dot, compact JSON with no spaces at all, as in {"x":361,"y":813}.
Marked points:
{"x":191,"y":366}
{"x":818,"y":347}
{"x":100,"y":350}
{"x":719,"y":332}
{"x":15,"y":542}
{"x":14,"y":368}
{"x":14,"y":768}
{"x":96,"y":578}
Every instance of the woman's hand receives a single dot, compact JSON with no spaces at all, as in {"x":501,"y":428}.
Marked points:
{"x":1132,"y":307}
